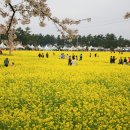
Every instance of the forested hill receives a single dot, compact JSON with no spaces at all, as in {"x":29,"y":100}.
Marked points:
{"x":107,"y":41}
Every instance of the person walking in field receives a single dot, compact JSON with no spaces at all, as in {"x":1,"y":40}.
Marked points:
{"x":73,"y":56}
{"x":80,"y":58}
{"x":39,"y":55}
{"x":74,"y":62}
{"x":42,"y":55}
{"x":128,"y":59}
{"x":125,"y":60}
{"x":47,"y":55}
{"x":6,"y":62}
{"x":120,"y":61}
{"x":69,"y":61}
{"x":111,"y":60}
{"x":67,"y":56}
{"x":76,"y":57}
{"x":90,"y":55}
{"x":95,"y":54}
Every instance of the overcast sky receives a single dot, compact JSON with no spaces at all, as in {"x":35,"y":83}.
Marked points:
{"x":107,"y":16}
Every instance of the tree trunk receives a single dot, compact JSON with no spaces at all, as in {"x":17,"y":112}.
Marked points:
{"x":10,"y":46}
{"x":10,"y":51}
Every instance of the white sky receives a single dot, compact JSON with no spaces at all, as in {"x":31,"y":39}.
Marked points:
{"x":107,"y":16}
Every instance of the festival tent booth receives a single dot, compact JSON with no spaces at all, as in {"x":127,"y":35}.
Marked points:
{"x":19,"y":47}
{"x":39,"y":47}
{"x":54,"y":48}
{"x":122,"y":49}
{"x":72,"y":48}
{"x":79,"y":48}
{"x":118,"y":49}
{"x":65,"y":48}
{"x":30,"y":47}
{"x":126,"y":49}
{"x":90,"y":48}
{"x":107,"y":49}
{"x":85,"y":47}
{"x":27,"y":47}
{"x":2,"y":46}
{"x":47,"y":48}
{"x":100,"y":48}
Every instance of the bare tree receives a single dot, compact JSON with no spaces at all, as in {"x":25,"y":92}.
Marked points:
{"x":22,"y":12}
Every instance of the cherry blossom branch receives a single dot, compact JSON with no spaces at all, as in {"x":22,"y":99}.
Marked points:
{"x":127,"y":15}
{"x":11,"y":18}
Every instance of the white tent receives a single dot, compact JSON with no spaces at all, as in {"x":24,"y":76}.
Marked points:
{"x":100,"y":48}
{"x":72,"y":48}
{"x":28,"y":45}
{"x":90,"y":48}
{"x":65,"y":48}
{"x":3,"y":46}
{"x":84,"y":48}
{"x":32,"y":47}
{"x":39,"y":47}
{"x":19,"y":46}
{"x":54,"y":48}
{"x":118,"y":48}
{"x":46,"y":48}
{"x":79,"y":48}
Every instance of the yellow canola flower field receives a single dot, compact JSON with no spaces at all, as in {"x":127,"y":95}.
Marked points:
{"x":47,"y":94}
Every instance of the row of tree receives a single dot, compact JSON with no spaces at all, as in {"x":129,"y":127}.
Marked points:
{"x":107,"y":41}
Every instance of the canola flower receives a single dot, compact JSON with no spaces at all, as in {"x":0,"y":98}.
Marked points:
{"x":40,"y":93}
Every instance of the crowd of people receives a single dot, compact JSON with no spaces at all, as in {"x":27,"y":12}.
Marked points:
{"x":121,"y":60}
{"x":112,"y":59}
{"x":73,"y":59}
{"x":41,"y":55}
{"x":124,"y":61}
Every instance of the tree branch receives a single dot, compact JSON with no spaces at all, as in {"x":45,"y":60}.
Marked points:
{"x":55,"y":22}
{"x":11,"y":17}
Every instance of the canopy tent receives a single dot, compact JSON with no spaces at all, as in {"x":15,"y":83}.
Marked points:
{"x":30,"y":47}
{"x":54,"y":48}
{"x":126,"y":49}
{"x":65,"y":48}
{"x":118,"y":48}
{"x":84,"y":48}
{"x":72,"y":48}
{"x":47,"y":48}
{"x":2,"y":46}
{"x":79,"y":48}
{"x":39,"y":47}
{"x":19,"y":46}
{"x":100,"y":48}
{"x":90,"y":48}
